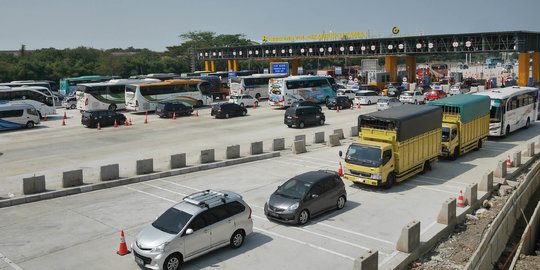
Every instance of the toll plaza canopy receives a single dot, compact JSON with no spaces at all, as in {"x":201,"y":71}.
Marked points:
{"x":487,"y":42}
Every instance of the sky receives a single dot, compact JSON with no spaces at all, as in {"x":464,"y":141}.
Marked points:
{"x":105,"y":24}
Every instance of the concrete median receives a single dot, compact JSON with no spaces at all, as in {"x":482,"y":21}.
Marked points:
{"x":354,"y":131}
{"x":409,"y":239}
{"x":486,"y":185}
{"x":530,"y":149}
{"x":299,"y":147}
{"x":333,"y":140}
{"x":278,"y":144}
{"x":516,"y":159}
{"x":207,"y":156}
{"x":339,"y":132}
{"x":72,"y":178}
{"x":500,"y":171}
{"x":447,"y":215}
{"x":178,"y":161}
{"x":368,"y":260}
{"x":33,"y":185}
{"x":300,"y":138}
{"x":256,"y":148}
{"x":109,"y":172}
{"x":471,"y":195}
{"x":318,"y":137}
{"x":145,"y":166}
{"x":233,"y":151}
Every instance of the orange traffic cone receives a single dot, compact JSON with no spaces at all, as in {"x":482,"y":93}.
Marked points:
{"x":115,"y":123}
{"x":65,"y":116}
{"x":98,"y":126}
{"x":358,"y":106}
{"x":340,"y":170}
{"x":126,"y":123}
{"x":122,"y":250}
{"x":174,"y":116}
{"x":254,"y":106}
{"x":146,"y":118}
{"x":63,"y":122}
{"x":460,"y":200}
{"x":45,"y":118}
{"x":508,"y":162}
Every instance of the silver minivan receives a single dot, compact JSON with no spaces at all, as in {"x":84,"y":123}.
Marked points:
{"x":202,"y":222}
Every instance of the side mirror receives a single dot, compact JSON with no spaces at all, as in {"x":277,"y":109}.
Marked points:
{"x":314,"y":196}
{"x":340,"y":153}
{"x":189,"y":231}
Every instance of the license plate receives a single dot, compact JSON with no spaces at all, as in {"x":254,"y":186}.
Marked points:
{"x":273,"y":214}
{"x":289,"y":117}
{"x":139,"y":261}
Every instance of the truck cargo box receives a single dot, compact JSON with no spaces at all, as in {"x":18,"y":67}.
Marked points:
{"x":469,"y":107}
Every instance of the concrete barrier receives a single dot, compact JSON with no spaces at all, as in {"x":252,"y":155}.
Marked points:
{"x":516,"y":159}
{"x":33,"y":185}
{"x":500,"y":171}
{"x":530,"y":149}
{"x":109,"y":172}
{"x":300,"y":138}
{"x":471,"y":195}
{"x":409,"y":239}
{"x":447,"y":215}
{"x":339,"y":132}
{"x":278,"y":144}
{"x":233,"y":151}
{"x":178,"y":161}
{"x":145,"y":166}
{"x":333,"y":140}
{"x":299,"y":147}
{"x":207,"y":156}
{"x":354,"y":131}
{"x":72,"y":178}
{"x":486,"y":185}
{"x":318,"y":137}
{"x":256,"y":148}
{"x":368,"y":260}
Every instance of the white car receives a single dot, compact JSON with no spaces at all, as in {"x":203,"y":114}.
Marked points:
{"x":244,"y":100}
{"x":366,"y":97}
{"x":346,"y":92}
{"x":415,"y":97}
{"x":387,"y":102}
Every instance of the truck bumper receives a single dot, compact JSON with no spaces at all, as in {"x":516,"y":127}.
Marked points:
{"x":362,"y":180}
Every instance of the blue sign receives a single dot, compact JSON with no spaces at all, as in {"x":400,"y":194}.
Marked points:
{"x":232,"y":74}
{"x":280,"y":68}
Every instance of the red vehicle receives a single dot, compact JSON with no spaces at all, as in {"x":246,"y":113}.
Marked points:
{"x":434,"y":94}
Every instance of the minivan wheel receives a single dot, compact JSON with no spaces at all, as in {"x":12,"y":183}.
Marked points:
{"x":30,"y":124}
{"x":301,"y":125}
{"x":72,"y":106}
{"x":226,"y":115}
{"x":303,"y":217}
{"x":237,"y":239}
{"x":341,"y":202}
{"x":242,"y":105}
{"x":112,"y":107}
{"x":172,"y":262}
{"x":321,"y":122}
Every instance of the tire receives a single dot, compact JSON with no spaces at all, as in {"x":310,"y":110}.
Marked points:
{"x":172,"y":262}
{"x":237,"y":239}
{"x":256,"y":104}
{"x":321,"y":122}
{"x":226,"y":115}
{"x":301,"y":125}
{"x":72,"y":106}
{"x":507,"y":131}
{"x":39,"y":115}
{"x":369,"y":102}
{"x":390,"y":180}
{"x":528,"y":123}
{"x":303,"y":217}
{"x":456,"y":153}
{"x":289,"y":125}
{"x":416,"y":102}
{"x":242,"y":105}
{"x":112,"y":107}
{"x":478,"y":145}
{"x":427,"y":167}
{"x":30,"y":124}
{"x":341,"y":202}
{"x":257,"y":96}
{"x":199,"y":103}
{"x":244,"y":113}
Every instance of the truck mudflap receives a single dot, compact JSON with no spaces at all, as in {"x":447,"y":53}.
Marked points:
{"x":362,"y":180}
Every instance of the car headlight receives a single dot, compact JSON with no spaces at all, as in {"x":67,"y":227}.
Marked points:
{"x":159,"y":248}
{"x":293,"y":207}
{"x":376,"y":176}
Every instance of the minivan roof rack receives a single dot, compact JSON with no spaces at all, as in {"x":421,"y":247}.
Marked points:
{"x":207,"y":198}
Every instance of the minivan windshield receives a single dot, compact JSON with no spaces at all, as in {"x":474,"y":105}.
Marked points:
{"x":293,"y":189}
{"x":364,"y":155}
{"x":172,"y":221}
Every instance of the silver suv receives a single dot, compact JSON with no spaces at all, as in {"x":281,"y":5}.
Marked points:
{"x":202,"y":222}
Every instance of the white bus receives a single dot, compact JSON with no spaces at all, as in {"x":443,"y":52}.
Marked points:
{"x":14,"y":116}
{"x":284,"y":91}
{"x":109,"y":95}
{"x":255,"y":85}
{"x":145,"y":97}
{"x":40,"y":97}
{"x":511,"y":108}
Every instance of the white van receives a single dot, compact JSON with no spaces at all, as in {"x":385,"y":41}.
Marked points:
{"x":14,"y":116}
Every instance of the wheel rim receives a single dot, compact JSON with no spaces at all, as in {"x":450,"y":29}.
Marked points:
{"x":226,"y":115}
{"x":321,"y":122}
{"x":341,"y":202}
{"x":301,"y":124}
{"x":242,"y":105}
{"x":173,"y":263}
{"x":303,"y":217}
{"x":237,"y":239}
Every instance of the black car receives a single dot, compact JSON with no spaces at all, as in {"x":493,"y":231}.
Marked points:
{"x":305,"y":196}
{"x":103,"y":117}
{"x":168,"y":108}
{"x":303,"y":116}
{"x":226,"y":110}
{"x":305,"y":103}
{"x":342,"y":102}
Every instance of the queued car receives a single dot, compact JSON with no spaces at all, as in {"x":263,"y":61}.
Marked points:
{"x":457,"y":89}
{"x":364,"y":97}
{"x":170,"y":108}
{"x":349,"y":93}
{"x":305,"y":196}
{"x":305,"y":103}
{"x":415,"y":97}
{"x":341,"y":102}
{"x":201,"y":222}
{"x":303,"y":116}
{"x":69,"y":102}
{"x":244,"y":100}
{"x":369,"y":87}
{"x":435,"y":94}
{"x":387,"y":102}
{"x":91,"y":119}
{"x":226,"y":110}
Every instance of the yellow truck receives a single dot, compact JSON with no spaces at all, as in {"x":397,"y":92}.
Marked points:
{"x":465,"y":123}
{"x":394,"y":144}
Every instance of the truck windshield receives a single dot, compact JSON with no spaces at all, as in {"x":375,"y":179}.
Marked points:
{"x":364,"y":155}
{"x":495,"y":111}
{"x":445,"y":134}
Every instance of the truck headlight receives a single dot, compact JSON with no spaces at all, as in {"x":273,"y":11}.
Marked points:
{"x":159,"y":248}
{"x":376,"y":176}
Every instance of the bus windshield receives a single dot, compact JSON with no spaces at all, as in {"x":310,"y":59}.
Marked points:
{"x":495,"y":111}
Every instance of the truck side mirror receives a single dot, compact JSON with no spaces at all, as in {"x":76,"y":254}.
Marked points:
{"x":340,"y":153}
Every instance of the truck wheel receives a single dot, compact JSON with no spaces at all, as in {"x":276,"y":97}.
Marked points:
{"x":427,"y":167}
{"x":390,"y":180}
{"x":478,"y":145}
{"x":528,"y":124}
{"x":507,"y":131}
{"x":456,"y":154}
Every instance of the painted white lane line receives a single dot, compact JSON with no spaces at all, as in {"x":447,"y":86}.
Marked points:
{"x":10,"y":262}
{"x":164,"y":189}
{"x":442,"y":180}
{"x":317,"y":162}
{"x":180,"y":185}
{"x":428,"y":227}
{"x":302,"y":165}
{"x":265,"y":231}
{"x":436,"y":183}
{"x":432,"y":189}
{"x":387,"y":259}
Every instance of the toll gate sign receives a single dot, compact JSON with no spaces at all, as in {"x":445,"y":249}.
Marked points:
{"x":279,"y":67}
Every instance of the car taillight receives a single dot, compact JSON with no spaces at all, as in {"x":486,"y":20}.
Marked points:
{"x":86,"y":101}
